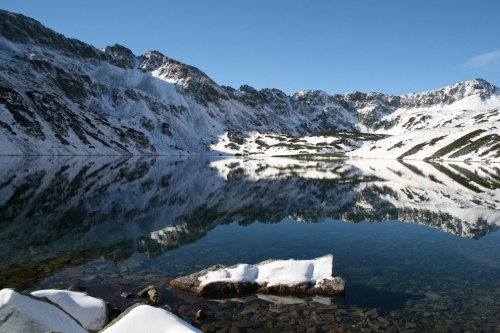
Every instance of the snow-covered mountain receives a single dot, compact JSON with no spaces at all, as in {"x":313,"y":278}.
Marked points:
{"x":467,"y":129}
{"x":62,"y":96}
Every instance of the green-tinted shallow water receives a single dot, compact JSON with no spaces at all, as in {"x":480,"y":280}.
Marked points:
{"x":101,"y":222}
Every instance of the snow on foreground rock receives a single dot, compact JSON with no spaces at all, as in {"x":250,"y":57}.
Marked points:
{"x":22,"y":313}
{"x":148,"y":319}
{"x":89,"y":311}
{"x":25,"y":313}
{"x":268,"y":277}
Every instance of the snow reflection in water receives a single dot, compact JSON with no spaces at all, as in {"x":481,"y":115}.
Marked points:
{"x":101,"y":221}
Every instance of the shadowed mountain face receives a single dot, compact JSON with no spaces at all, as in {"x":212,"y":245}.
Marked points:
{"x":62,"y":96}
{"x":82,"y":208}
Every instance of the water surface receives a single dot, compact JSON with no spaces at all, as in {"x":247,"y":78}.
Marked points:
{"x":417,"y":243}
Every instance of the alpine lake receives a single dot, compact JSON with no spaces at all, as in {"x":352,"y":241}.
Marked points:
{"x":417,"y":243}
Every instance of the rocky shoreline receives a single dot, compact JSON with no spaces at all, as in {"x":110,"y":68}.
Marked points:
{"x":73,"y":310}
{"x":76,"y":312}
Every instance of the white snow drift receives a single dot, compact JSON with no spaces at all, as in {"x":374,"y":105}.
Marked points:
{"x":280,"y":272}
{"x":89,"y":311}
{"x":24,"y":313}
{"x":148,"y":319}
{"x":21,"y":313}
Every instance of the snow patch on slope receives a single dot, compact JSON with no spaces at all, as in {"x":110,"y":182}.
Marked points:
{"x":469,"y":143}
{"x":276,"y":144}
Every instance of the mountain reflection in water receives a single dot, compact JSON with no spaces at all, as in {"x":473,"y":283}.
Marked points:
{"x":99,"y":221}
{"x":87,"y":207}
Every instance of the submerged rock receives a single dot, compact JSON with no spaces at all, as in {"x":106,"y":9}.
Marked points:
{"x":200,"y":315}
{"x":313,"y":277}
{"x":153,"y":295}
{"x":126,"y":295}
{"x":75,"y":287}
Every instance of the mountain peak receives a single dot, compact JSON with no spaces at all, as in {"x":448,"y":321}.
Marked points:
{"x":355,"y":96}
{"x":169,"y":69}
{"x":24,"y":30}
{"x":152,"y":60}
{"x":480,"y":84}
{"x":474,"y":87}
{"x":120,"y":56}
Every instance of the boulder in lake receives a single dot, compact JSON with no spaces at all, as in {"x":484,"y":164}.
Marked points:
{"x":90,"y":311}
{"x":311,"y":277}
{"x":152,"y":293}
{"x":24,"y":313}
{"x":145,"y":318}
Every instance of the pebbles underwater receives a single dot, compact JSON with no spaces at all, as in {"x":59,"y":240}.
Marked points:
{"x":422,"y":280}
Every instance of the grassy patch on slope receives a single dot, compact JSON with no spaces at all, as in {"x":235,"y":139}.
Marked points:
{"x":413,"y":150}
{"x":477,"y":144}
{"x":457,"y":144}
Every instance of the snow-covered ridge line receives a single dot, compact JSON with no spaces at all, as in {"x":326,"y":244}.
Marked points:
{"x":62,"y":96}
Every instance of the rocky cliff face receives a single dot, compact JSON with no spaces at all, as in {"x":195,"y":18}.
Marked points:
{"x":62,"y":96}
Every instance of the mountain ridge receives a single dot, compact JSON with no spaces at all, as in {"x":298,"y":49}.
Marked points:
{"x":62,"y":96}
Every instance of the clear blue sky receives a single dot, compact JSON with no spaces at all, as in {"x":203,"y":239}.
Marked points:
{"x":393,"y":47}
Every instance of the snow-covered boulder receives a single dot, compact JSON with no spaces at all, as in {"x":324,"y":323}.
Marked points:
{"x":89,"y":311}
{"x":268,"y":277}
{"x":145,"y":318}
{"x":22,"y":313}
